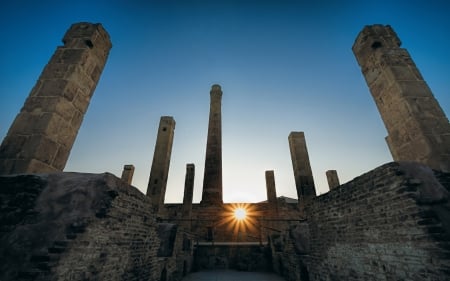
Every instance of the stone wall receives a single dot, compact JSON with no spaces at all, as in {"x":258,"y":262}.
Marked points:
{"x":227,"y":256}
{"x":218,"y":223}
{"x":69,"y":226}
{"x":389,"y":224}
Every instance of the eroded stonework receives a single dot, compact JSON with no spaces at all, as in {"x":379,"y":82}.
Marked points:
{"x":42,"y":135}
{"x":418,"y":129}
{"x":391,"y":223}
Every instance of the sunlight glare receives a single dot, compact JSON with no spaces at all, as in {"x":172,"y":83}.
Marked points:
{"x":240,"y":213}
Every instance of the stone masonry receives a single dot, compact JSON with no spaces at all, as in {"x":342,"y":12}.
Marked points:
{"x":161,"y":161}
{"x":304,"y":180}
{"x":188,"y":191}
{"x":127,"y":174}
{"x":418,"y":129}
{"x":391,"y":223}
{"x":332,"y":178}
{"x":42,"y":135}
{"x":271,"y":191}
{"x":212,"y":180}
{"x":73,"y":226}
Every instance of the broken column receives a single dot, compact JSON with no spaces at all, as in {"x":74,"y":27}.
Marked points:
{"x":42,"y":135}
{"x":127,"y":173}
{"x":212,"y":180}
{"x":332,"y":178}
{"x":271,"y":192}
{"x":159,"y":172}
{"x":418,"y":129}
{"x":304,"y":181}
{"x":186,"y":209}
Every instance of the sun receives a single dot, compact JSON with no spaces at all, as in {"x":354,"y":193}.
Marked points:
{"x":240,"y":213}
{"x":240,"y":219}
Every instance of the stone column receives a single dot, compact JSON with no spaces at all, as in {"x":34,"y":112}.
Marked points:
{"x":271,"y":192}
{"x":304,"y":181}
{"x":127,"y":173}
{"x":212,"y":180}
{"x":42,"y":135}
{"x":159,"y":172}
{"x":418,"y":129}
{"x":332,"y":178}
{"x":186,"y":209}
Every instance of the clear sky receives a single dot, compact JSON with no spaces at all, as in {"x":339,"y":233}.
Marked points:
{"x":283,"y":66}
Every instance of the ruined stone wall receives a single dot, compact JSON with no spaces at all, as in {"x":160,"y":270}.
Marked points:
{"x":217,"y":223}
{"x":286,"y":249}
{"x":238,"y":257}
{"x":70,"y":226}
{"x":389,"y":224}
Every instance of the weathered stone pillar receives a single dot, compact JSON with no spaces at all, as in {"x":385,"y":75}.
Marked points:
{"x":42,"y":135}
{"x":332,"y":178}
{"x":127,"y":173}
{"x":418,"y":129}
{"x":159,"y":172}
{"x":271,"y":191}
{"x":304,"y":181}
{"x":212,"y":180}
{"x":186,"y":209}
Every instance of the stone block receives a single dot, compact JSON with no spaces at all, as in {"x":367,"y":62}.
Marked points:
{"x":81,"y":101}
{"x":52,"y":88}
{"x":371,"y":74}
{"x":41,"y":148}
{"x":71,"y":90}
{"x":77,"y":119}
{"x":74,"y":56}
{"x":37,"y":166}
{"x":55,"y":70}
{"x":402,"y":73}
{"x":62,"y":154}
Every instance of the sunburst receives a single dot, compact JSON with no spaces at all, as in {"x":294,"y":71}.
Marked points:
{"x":239,"y":218}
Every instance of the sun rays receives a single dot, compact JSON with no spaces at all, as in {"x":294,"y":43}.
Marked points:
{"x":241,"y":220}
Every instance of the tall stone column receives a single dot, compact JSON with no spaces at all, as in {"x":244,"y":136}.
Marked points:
{"x":186,"y":209}
{"x":418,"y":129}
{"x":332,"y":178}
{"x":212,"y":180}
{"x":159,"y":172}
{"x":271,"y":191}
{"x":304,"y":181}
{"x":42,"y":135}
{"x":127,"y":174}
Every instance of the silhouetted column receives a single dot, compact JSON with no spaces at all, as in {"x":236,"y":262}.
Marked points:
{"x":304,"y":181}
{"x":212,"y":180}
{"x":188,"y":191}
{"x":271,"y":191}
{"x":332,"y":178}
{"x":42,"y":135}
{"x":161,"y":161}
{"x":127,"y":173}
{"x":418,"y":129}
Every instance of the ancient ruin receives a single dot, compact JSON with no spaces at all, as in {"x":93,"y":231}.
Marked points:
{"x":391,"y":223}
{"x":159,"y":173}
{"x":418,"y":129}
{"x":304,"y":181}
{"x":332,"y":178}
{"x":212,"y":180}
{"x":42,"y":135}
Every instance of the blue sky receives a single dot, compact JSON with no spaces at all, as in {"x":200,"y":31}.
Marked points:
{"x":283,"y":66}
